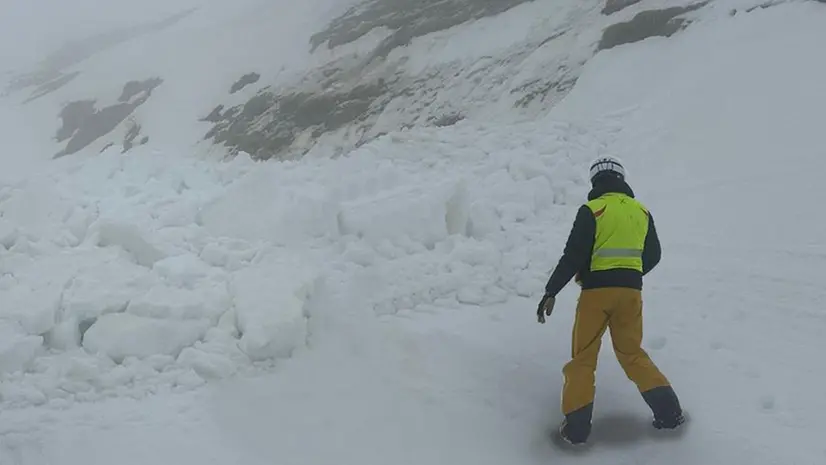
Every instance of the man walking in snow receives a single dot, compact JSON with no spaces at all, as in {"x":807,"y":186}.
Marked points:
{"x":612,"y":245}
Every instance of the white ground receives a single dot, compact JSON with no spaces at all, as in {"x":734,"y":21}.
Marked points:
{"x":379,"y":308}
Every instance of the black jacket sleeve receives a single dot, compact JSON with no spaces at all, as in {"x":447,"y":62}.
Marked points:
{"x":652,"y":251}
{"x":577,"y":251}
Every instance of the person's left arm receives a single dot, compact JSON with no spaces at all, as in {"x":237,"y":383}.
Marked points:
{"x":577,"y":251}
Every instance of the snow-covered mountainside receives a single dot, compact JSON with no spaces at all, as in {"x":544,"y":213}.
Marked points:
{"x":338,"y":75}
{"x":369,"y":297}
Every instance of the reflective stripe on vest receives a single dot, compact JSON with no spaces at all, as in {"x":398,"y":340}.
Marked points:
{"x":629,"y":253}
{"x":622,"y":224}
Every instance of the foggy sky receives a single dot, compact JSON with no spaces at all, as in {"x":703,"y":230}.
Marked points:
{"x":31,"y":29}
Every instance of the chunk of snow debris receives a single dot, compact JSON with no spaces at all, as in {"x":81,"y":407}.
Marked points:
{"x":230,"y":254}
{"x":458,"y":210}
{"x":159,"y":361}
{"x":260,"y":208}
{"x":423,"y":213}
{"x":269,"y":306}
{"x":186,"y":270}
{"x":7,"y":281}
{"x":476,"y":253}
{"x":514,"y":213}
{"x":78,"y":223}
{"x":64,"y":335}
{"x":529,"y":287}
{"x":78,"y":368}
{"x":38,"y":210}
{"x":131,"y":239}
{"x":189,"y":379}
{"x":21,"y":394}
{"x":104,"y":288}
{"x":179,"y":214}
{"x":17,"y":349}
{"x":228,"y":323}
{"x":495,"y":295}
{"x":207,"y":365}
{"x":359,"y":253}
{"x":206,"y":301}
{"x":34,"y":309}
{"x":120,"y":335}
{"x":483,"y":220}
{"x":388,"y":250}
{"x":471,"y":295}
{"x":8,"y":233}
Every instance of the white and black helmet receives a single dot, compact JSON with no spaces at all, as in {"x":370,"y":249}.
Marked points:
{"x":605,"y":165}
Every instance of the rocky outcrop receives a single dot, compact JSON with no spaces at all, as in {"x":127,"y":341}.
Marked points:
{"x":269,"y":123}
{"x":650,"y":23}
{"x":408,"y":18}
{"x":137,"y":88}
{"x":358,"y":102}
{"x":363,"y":95}
{"x":244,"y":81}
{"x":366,"y":92}
{"x":83,"y":123}
{"x":132,"y":135}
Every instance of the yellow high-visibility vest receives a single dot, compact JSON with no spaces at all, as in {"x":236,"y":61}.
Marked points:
{"x":622,"y":224}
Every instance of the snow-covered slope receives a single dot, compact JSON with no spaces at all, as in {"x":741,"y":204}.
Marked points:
{"x":280,"y":79}
{"x":378,"y":307}
{"x":182,"y":55}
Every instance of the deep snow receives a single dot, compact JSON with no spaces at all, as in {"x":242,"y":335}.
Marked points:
{"x":379,"y":307}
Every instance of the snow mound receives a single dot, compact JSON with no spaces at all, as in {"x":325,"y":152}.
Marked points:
{"x":130,"y":239}
{"x":17,"y":349}
{"x":425,"y":213}
{"x":121,"y":335}
{"x":155,"y":272}
{"x":268,"y":206}
{"x":270,"y":306}
{"x":109,"y":286}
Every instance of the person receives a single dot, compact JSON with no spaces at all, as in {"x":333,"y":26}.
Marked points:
{"x":613,"y":243}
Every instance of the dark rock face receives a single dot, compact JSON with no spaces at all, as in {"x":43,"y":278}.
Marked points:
{"x":245,"y":80}
{"x":269,"y":123}
{"x":651,"y":23}
{"x":364,"y":94}
{"x":409,"y":18}
{"x":74,"y":115}
{"x":83,"y":123}
{"x":215,"y":115}
{"x":135,"y":88}
{"x":132,"y":134}
{"x":351,"y":97}
{"x":542,"y":89}
{"x":361,"y":97}
{"x":447,"y":120}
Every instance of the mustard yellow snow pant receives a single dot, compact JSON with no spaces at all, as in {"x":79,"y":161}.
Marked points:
{"x":620,"y":311}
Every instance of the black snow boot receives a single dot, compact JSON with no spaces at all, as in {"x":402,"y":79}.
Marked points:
{"x":665,"y":406}
{"x":576,"y":427}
